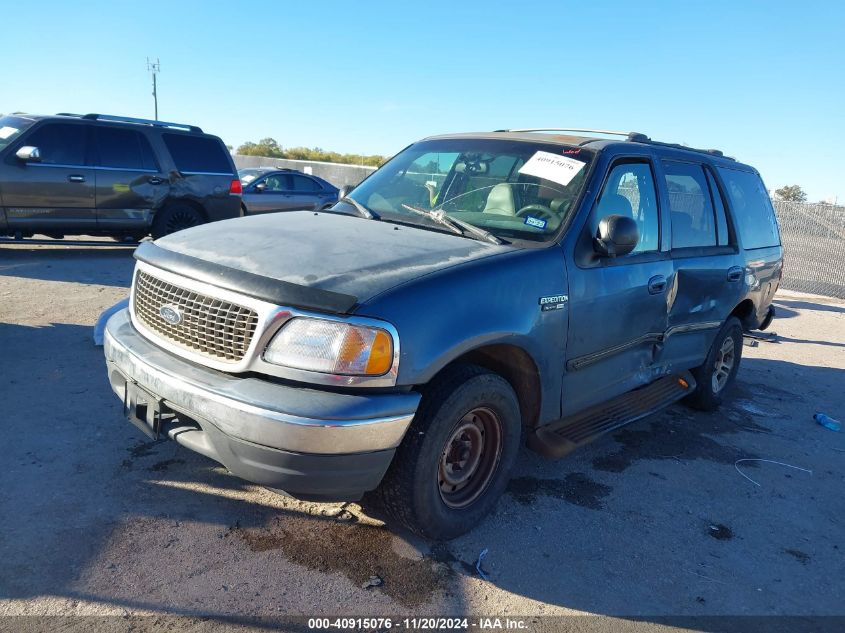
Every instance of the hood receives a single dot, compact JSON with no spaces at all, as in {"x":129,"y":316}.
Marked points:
{"x":326,"y":251}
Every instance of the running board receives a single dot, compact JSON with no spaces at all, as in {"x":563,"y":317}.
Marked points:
{"x":562,"y":437}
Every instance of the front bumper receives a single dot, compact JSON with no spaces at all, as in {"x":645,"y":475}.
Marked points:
{"x":308,"y":442}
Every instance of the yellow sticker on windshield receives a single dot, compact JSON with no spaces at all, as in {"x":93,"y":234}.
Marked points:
{"x":559,"y":169}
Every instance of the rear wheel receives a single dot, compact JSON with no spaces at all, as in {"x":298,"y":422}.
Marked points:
{"x":718,"y":372}
{"x":456,"y":458}
{"x":176,"y":217}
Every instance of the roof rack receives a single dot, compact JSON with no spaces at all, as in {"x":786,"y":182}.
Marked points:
{"x":126,"y":119}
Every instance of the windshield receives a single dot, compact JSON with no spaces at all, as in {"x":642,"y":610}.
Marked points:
{"x":246,"y":176}
{"x":11,"y":127}
{"x":512,"y":189}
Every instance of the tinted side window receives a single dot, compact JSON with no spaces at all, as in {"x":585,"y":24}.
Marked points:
{"x":693,"y":220}
{"x":60,"y":143}
{"x":197,"y":154}
{"x":722,"y":235}
{"x":125,"y":149}
{"x":752,"y":209}
{"x":276,"y":183}
{"x":630,"y":191}
{"x":301,"y":183}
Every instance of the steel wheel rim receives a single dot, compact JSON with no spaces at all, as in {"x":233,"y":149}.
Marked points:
{"x":725,"y":360}
{"x":470,"y":458}
{"x":181,"y":220}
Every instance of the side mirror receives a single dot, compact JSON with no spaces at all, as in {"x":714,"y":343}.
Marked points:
{"x":29,"y":154}
{"x":617,"y":235}
{"x":261,"y":186}
{"x":344,"y":191}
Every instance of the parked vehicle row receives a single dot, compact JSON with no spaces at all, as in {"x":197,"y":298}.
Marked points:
{"x":476,"y":292}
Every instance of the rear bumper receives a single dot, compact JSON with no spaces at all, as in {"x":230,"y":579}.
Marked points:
{"x":307,"y":442}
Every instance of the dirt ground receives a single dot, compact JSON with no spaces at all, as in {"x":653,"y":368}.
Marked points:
{"x":656,"y":520}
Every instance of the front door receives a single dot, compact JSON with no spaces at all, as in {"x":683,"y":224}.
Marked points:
{"x":618,"y":306}
{"x":56,"y":193}
{"x":130,"y":184}
{"x":268,"y":194}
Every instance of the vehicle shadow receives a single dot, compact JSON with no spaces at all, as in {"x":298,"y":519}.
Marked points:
{"x":655,"y":519}
{"x":108,"y":265}
{"x":782,"y":304}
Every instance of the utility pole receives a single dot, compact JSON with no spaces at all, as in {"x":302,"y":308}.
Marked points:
{"x":154,"y":68}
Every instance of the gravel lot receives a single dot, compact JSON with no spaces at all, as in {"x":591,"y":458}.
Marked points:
{"x":652,"y":521}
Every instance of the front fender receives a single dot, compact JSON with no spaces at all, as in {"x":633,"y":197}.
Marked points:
{"x":444,"y":315}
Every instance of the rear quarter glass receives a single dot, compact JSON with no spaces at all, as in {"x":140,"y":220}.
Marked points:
{"x":198,"y":154}
{"x":751,"y":207}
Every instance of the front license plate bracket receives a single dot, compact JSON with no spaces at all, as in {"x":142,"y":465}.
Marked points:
{"x":142,"y":409}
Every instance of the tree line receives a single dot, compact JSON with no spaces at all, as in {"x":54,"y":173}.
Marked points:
{"x":270,"y":148}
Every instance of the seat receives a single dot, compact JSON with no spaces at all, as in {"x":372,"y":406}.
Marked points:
{"x":500,"y":200}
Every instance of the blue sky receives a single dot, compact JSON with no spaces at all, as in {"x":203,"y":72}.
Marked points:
{"x":761,"y":80}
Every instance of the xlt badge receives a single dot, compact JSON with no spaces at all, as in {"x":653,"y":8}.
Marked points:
{"x":553,"y":302}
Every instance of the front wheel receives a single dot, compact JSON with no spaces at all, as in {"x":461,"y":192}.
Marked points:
{"x":456,"y":458}
{"x":718,"y":372}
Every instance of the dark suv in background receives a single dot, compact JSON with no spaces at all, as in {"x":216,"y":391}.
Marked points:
{"x":98,"y":174}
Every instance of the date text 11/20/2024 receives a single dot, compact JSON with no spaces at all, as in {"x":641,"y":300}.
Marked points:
{"x":419,"y":624}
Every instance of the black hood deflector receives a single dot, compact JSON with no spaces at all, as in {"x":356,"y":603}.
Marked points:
{"x":268,"y":289}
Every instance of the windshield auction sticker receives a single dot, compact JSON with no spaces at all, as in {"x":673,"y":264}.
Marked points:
{"x":559,"y":169}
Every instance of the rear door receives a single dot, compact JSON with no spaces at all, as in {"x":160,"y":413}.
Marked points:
{"x":618,"y":306}
{"x":305,"y":193}
{"x":130,"y":182}
{"x":55,"y":194}
{"x":709,"y":278}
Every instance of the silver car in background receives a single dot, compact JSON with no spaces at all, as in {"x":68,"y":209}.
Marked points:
{"x":267,"y":190}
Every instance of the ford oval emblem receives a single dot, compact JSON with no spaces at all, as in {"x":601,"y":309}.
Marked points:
{"x":171,"y":314}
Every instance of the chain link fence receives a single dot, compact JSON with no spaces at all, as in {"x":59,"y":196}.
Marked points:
{"x":813,"y":237}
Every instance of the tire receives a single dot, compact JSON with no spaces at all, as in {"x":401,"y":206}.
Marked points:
{"x":175,"y":217}
{"x":468,"y":427}
{"x":710,"y":387}
{"x":135,"y":237}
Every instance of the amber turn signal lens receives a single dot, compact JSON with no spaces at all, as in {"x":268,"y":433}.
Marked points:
{"x":683,"y":383}
{"x":381,"y":354}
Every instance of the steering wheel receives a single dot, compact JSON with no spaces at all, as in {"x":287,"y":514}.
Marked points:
{"x":540,"y":211}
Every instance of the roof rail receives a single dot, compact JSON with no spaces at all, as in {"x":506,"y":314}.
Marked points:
{"x":573,"y":129}
{"x":126,"y":119}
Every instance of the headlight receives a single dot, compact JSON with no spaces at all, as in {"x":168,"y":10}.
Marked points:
{"x":331,"y":347}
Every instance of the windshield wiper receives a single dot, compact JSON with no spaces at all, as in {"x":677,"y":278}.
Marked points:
{"x":454,"y":224}
{"x":363,"y":211}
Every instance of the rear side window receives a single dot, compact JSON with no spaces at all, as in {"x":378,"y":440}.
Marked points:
{"x":722,"y":234}
{"x":60,"y":143}
{"x":197,"y":154}
{"x":693,"y":220}
{"x":752,"y":208}
{"x":302,"y":183}
{"x":124,"y":149}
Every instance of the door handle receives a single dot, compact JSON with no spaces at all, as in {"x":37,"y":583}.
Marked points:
{"x":735,"y":274}
{"x":656,"y":284}
{"x":76,"y":178}
{"x":154,"y":180}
